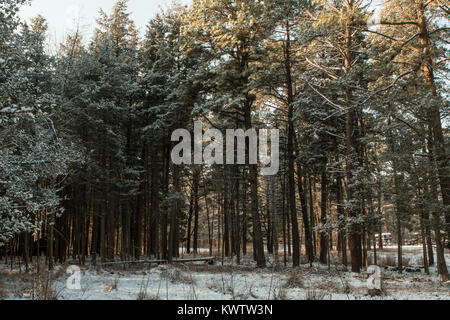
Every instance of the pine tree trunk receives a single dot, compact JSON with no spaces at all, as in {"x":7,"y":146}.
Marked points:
{"x":290,"y":150}
{"x":174,"y":208}
{"x":50,"y":244}
{"x":253,"y":179}
{"x":189,"y":225}
{"x":440,"y":250}
{"x":352,"y":146}
{"x":196,"y":181}
{"x":304,"y":207}
{"x":434,"y":114}
{"x":165,"y":214}
{"x":341,"y":215}
{"x":323,"y":218}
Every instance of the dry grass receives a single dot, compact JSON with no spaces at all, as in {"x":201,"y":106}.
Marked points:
{"x":304,"y":259}
{"x":217,"y":269}
{"x":226,"y":285}
{"x":143,"y":291}
{"x":175,"y":275}
{"x":392,"y":261}
{"x":295,"y":280}
{"x":314,"y":294}
{"x":222,"y":287}
{"x":114,"y":285}
{"x":3,"y":292}
{"x":279,"y":293}
{"x":421,"y":261}
{"x":19,"y":284}
{"x":387,"y":261}
{"x":406,"y":261}
{"x":394,"y":250}
{"x":42,"y":286}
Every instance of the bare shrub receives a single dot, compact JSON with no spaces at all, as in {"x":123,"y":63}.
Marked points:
{"x":214,"y":286}
{"x":295,"y":280}
{"x":304,"y":259}
{"x":145,"y":297}
{"x":346,"y":288}
{"x":3,"y":292}
{"x":42,"y":287}
{"x":313,"y":294}
{"x":406,"y":261}
{"x":322,"y":286}
{"x":176,"y":276}
{"x":279,"y":293}
{"x":115,"y":284}
{"x":388,"y":261}
{"x":421,"y":261}
{"x":228,"y":286}
{"x":370,"y":259}
{"x":224,"y":286}
{"x":375,"y":293}
{"x":59,"y":272}
{"x":246,"y":293}
{"x":141,"y":295}
{"x":143,"y":291}
{"x":251,"y":293}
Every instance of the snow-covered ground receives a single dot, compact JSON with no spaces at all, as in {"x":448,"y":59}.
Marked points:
{"x":228,"y":281}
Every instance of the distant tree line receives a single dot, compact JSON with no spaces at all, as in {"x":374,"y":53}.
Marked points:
{"x":85,"y":134}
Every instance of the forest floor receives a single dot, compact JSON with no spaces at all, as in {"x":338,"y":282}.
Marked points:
{"x":225,"y":280}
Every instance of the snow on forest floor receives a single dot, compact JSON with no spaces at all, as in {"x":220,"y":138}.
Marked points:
{"x":228,"y":281}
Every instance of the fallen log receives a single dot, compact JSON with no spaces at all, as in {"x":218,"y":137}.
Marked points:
{"x":208,"y":259}
{"x":134,"y":262}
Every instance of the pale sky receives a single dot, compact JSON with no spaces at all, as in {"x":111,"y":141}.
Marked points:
{"x":61,"y":14}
